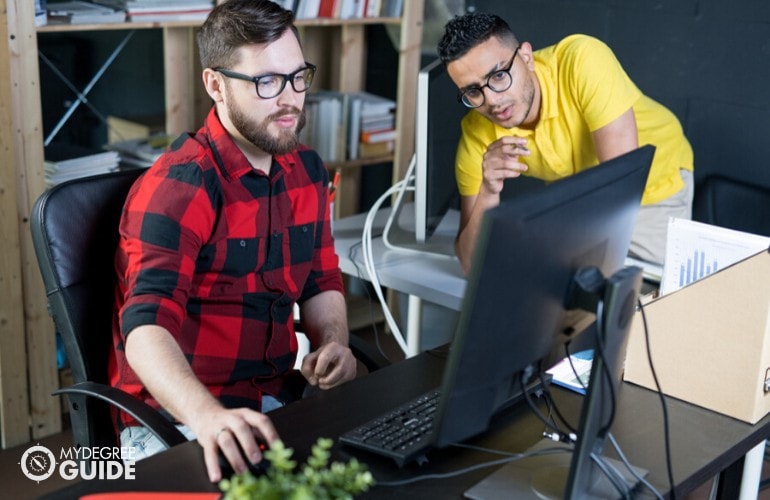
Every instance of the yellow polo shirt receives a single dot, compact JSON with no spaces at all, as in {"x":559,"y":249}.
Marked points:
{"x":583,"y":88}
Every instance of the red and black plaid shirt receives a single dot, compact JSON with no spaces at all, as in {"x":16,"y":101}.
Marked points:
{"x":217,"y":253}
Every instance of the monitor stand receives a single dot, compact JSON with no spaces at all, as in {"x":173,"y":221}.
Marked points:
{"x":397,"y":237}
{"x":545,"y":477}
{"x":575,"y":472}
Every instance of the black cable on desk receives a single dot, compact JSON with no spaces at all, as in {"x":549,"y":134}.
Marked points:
{"x":510,"y":457}
{"x":666,"y":433}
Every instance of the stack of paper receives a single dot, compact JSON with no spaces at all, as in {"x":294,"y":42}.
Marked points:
{"x":64,"y":162}
{"x":141,"y":152}
{"x":162,"y":10}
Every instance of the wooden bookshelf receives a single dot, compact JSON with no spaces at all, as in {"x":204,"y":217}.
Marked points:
{"x":28,"y":371}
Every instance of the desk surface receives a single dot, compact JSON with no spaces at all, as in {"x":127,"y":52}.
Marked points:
{"x":703,"y":443}
{"x":435,"y":278}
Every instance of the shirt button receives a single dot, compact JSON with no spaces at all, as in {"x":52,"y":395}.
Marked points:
{"x":243,"y":243}
{"x":304,"y":229}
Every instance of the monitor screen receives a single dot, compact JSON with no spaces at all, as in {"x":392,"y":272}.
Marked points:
{"x":438,"y":132}
{"x":517,"y":308}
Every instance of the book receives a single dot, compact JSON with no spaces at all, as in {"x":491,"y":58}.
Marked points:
{"x":376,"y":149}
{"x":328,"y":8}
{"x":327,"y":121}
{"x":378,"y":136}
{"x":573,"y":372}
{"x":367,"y":112}
{"x":79,"y":12}
{"x":307,"y":9}
{"x":163,"y":17}
{"x":373,"y":8}
{"x":392,"y":8}
{"x":41,"y":16}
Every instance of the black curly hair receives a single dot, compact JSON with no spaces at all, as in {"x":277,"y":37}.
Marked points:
{"x":462,"y":33}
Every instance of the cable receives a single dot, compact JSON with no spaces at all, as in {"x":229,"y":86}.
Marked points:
{"x":368,"y":256}
{"x":631,"y":469}
{"x":612,"y":475}
{"x":605,"y":367}
{"x":465,"y":470}
{"x":360,"y":276}
{"x":556,"y":410}
{"x":666,"y":433}
{"x":560,"y":435}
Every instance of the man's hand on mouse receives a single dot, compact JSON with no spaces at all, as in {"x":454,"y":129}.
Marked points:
{"x":237,"y":435}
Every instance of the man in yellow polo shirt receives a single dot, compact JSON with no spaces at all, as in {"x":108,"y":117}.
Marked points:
{"x":552,"y":113}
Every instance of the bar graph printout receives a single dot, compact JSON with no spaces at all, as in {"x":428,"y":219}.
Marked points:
{"x":694,"y":250}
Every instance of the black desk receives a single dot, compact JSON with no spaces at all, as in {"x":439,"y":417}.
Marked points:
{"x":703,"y":443}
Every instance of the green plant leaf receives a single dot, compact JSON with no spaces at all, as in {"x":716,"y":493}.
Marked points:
{"x":315,"y":480}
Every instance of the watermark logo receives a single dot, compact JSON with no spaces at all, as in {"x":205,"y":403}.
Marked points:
{"x":39,"y":463}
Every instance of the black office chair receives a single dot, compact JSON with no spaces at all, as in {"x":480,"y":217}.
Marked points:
{"x":734,"y":204}
{"x":75,"y":234}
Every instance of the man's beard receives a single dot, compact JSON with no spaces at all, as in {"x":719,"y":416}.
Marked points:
{"x":523,"y":108}
{"x":258,"y":134}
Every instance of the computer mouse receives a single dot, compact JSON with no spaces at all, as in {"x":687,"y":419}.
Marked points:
{"x":256,"y":469}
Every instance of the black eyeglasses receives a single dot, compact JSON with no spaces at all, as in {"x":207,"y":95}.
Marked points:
{"x":271,"y":85}
{"x":498,"y":81}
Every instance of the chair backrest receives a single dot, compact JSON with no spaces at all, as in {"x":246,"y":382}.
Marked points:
{"x":733,"y":204}
{"x":75,"y":234}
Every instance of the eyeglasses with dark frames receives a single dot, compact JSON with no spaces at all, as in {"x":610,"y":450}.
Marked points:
{"x":497,"y":81}
{"x":271,"y":85}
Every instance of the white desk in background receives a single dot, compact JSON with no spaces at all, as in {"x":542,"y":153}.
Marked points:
{"x":422,"y":276}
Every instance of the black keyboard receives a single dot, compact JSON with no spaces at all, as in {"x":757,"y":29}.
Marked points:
{"x":404,"y":434}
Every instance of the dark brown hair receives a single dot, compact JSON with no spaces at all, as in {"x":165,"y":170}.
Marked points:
{"x":235,"y":23}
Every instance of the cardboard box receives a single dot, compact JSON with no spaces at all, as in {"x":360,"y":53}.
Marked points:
{"x":710,"y":341}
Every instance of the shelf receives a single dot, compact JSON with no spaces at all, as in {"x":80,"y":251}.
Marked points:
{"x":303,"y":23}
{"x":361,"y":162}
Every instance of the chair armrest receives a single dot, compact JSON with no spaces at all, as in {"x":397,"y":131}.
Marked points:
{"x":367,"y":353}
{"x":146,"y":415}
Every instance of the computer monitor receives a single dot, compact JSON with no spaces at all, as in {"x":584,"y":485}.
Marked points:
{"x":437,"y":133}
{"x":521,"y":306}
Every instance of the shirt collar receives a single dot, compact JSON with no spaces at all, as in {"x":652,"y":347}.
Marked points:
{"x":548,"y":89}
{"x":231,"y":160}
